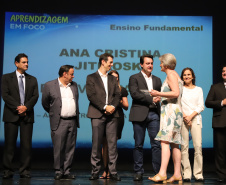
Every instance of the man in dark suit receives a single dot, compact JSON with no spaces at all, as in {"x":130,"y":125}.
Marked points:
{"x":60,"y":100}
{"x":144,"y":114}
{"x":20,"y":94}
{"x":104,"y":96}
{"x":216,"y":99}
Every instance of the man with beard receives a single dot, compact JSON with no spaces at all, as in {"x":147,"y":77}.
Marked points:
{"x":144,"y":114}
{"x":216,"y":99}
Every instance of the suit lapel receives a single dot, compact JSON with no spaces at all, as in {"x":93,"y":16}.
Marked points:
{"x":142,"y":79}
{"x":99,"y":80}
{"x":223,"y":89}
{"x":73,"y":90}
{"x":57,"y":88}
{"x":109,"y":82}
{"x":15,"y":81}
{"x":153,"y":82}
{"x":27,"y":83}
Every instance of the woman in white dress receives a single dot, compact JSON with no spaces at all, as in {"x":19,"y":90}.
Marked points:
{"x":192,"y":105}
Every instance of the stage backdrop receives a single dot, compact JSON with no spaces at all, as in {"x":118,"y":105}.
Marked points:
{"x":52,"y":40}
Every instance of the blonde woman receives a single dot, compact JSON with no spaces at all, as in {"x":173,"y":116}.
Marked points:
{"x":171,"y":120}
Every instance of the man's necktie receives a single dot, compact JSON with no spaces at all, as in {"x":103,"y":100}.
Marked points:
{"x":21,"y":88}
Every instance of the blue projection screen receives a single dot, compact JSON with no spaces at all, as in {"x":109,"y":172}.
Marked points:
{"x":54,"y":40}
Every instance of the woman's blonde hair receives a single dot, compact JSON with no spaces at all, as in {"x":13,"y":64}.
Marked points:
{"x":168,"y":60}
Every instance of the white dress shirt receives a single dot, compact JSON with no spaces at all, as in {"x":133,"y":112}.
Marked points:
{"x":68,"y":102}
{"x":148,"y":81}
{"x":105,"y":81}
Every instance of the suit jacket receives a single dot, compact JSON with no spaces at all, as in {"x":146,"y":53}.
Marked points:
{"x":216,"y":94}
{"x":11,"y":97}
{"x":142,"y":101}
{"x":52,"y":102}
{"x":97,"y":96}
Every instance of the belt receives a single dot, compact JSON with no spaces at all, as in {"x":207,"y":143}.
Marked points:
{"x":68,"y":118}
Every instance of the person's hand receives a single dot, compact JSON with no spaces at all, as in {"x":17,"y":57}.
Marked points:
{"x":156,"y":99}
{"x":21,"y":109}
{"x":187,"y":120}
{"x":189,"y":123}
{"x":154,"y":93}
{"x":109,"y":109}
{"x":224,"y":102}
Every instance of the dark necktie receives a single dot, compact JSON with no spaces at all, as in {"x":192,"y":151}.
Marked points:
{"x":21,"y":88}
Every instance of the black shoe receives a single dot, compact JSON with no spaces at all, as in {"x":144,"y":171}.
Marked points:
{"x":26,"y":176}
{"x":58,"y":176}
{"x":115,"y":177}
{"x":94,"y":177}
{"x":69,"y":176}
{"x":187,"y":180}
{"x":7,"y":176}
{"x":199,"y":180}
{"x":220,"y":180}
{"x":138,"y":177}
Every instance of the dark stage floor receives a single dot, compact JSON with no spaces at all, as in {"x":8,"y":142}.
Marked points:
{"x":43,"y":174}
{"x":45,"y":177}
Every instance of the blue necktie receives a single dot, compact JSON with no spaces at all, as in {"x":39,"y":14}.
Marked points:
{"x":21,"y":88}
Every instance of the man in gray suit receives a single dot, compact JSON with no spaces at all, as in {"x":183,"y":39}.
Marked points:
{"x":104,"y":96}
{"x":60,"y":100}
{"x":144,"y":114}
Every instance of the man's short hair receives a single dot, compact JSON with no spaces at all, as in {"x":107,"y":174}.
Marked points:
{"x":64,"y":68}
{"x":19,"y":56}
{"x":105,"y":57}
{"x":143,"y":56}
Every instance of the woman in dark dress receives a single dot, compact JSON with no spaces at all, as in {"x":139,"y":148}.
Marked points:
{"x":123,"y":105}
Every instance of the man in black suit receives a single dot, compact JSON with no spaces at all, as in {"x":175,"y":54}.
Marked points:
{"x":104,"y":96}
{"x":60,"y":100}
{"x":20,"y":94}
{"x":216,"y":99}
{"x":144,"y":114}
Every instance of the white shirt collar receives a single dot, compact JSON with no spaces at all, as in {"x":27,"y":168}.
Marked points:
{"x":145,"y":76}
{"x":102,"y":75}
{"x":61,"y":85}
{"x":18,"y":74}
